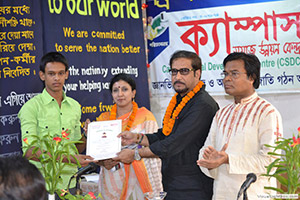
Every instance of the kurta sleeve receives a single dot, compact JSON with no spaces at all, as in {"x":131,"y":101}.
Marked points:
{"x":269,"y":129}
{"x":210,"y":141}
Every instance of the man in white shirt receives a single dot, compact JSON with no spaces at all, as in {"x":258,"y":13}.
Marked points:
{"x":236,"y":142}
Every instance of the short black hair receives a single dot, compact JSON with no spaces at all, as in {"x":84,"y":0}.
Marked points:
{"x":124,"y":77}
{"x":53,"y":57}
{"x":251,"y":64}
{"x":20,"y":179}
{"x":196,"y":60}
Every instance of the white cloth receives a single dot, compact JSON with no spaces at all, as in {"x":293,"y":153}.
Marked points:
{"x":247,"y":127}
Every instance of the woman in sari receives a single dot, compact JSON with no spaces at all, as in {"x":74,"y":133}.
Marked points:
{"x":120,"y":181}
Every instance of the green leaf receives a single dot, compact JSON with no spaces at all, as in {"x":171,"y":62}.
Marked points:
{"x":276,"y":189}
{"x":271,"y":166}
{"x":281,"y":179}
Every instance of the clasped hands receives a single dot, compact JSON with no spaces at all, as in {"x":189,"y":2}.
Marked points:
{"x":213,"y":158}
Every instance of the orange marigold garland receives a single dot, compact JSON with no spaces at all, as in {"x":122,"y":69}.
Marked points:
{"x":169,"y":121}
{"x":113,"y":115}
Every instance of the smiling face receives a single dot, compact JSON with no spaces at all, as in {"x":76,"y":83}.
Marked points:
{"x":122,"y":93}
{"x":54,"y":77}
{"x":241,"y":86}
{"x":184,"y":83}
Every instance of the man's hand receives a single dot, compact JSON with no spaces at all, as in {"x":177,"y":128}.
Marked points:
{"x":108,"y":163}
{"x":84,"y":160}
{"x":213,"y":158}
{"x":125,"y":156}
{"x":128,"y":138}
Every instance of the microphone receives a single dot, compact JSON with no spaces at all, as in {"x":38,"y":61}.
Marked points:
{"x":90,"y":167}
{"x":251,"y":178}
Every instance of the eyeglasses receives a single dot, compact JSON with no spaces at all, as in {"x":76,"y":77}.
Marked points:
{"x":233,"y":74}
{"x":183,"y":71}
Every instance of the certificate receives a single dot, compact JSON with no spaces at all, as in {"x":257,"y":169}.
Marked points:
{"x":102,"y":140}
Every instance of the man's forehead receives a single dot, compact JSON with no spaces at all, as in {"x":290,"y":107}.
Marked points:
{"x":234,"y":65}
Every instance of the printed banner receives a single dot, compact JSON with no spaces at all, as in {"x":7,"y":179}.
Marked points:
{"x":268,"y":29}
{"x":99,"y":38}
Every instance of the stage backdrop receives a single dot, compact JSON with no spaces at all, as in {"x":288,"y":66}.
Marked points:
{"x":213,"y":29}
{"x":100,"y":38}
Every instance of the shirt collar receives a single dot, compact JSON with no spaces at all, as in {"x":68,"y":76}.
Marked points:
{"x":47,"y":98}
{"x":249,"y":99}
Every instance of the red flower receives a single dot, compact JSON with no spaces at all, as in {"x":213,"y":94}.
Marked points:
{"x":63,"y":192}
{"x":144,"y":6}
{"x":25,"y":140}
{"x":92,"y":195}
{"x":57,"y":139}
{"x":65,"y":134}
{"x":299,"y":130}
{"x":295,"y":141}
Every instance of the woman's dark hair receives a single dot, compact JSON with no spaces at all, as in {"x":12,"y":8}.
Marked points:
{"x":124,"y":77}
{"x":251,"y":64}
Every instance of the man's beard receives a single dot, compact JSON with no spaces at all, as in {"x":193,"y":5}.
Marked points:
{"x":180,"y":91}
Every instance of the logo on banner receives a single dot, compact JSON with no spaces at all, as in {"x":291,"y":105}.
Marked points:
{"x":158,"y":34}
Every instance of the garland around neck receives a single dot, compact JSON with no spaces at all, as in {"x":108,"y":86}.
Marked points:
{"x":113,"y":115}
{"x":169,"y":121}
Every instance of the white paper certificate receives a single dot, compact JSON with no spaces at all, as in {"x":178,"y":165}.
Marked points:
{"x":102,"y":140}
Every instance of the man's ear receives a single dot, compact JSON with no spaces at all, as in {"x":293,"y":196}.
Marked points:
{"x":252,"y":78}
{"x":42,"y":75}
{"x":198,"y":74}
{"x":67,"y":74}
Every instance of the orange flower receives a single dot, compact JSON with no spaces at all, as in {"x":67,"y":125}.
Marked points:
{"x":168,"y":121}
{"x":295,"y":141}
{"x":57,"y":139}
{"x":113,"y":115}
{"x":65,"y":134}
{"x":92,"y":195}
{"x":25,"y":140}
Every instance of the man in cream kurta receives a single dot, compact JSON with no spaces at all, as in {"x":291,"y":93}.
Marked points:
{"x":235,"y":145}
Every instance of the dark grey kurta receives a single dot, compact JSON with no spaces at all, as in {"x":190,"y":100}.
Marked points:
{"x":182,"y":178}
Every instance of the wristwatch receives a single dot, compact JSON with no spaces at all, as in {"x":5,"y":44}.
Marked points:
{"x":137,"y":155}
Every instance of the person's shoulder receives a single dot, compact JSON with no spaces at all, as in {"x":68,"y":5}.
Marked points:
{"x":32,"y":105}
{"x":72,"y":101}
{"x":142,"y":111}
{"x":204,"y":98}
{"x":34,"y":101}
{"x":103,"y":116}
{"x":265,"y":104}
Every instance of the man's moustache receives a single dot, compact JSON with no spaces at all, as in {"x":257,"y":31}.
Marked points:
{"x":178,"y":82}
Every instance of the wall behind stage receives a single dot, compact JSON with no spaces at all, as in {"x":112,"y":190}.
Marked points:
{"x":269,"y":29}
{"x":99,"y":38}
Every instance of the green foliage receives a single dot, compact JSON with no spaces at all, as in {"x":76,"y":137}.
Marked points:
{"x":54,"y":155}
{"x":65,"y":195}
{"x":288,"y":164}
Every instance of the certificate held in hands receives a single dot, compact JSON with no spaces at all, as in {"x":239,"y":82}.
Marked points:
{"x":102,"y":140}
